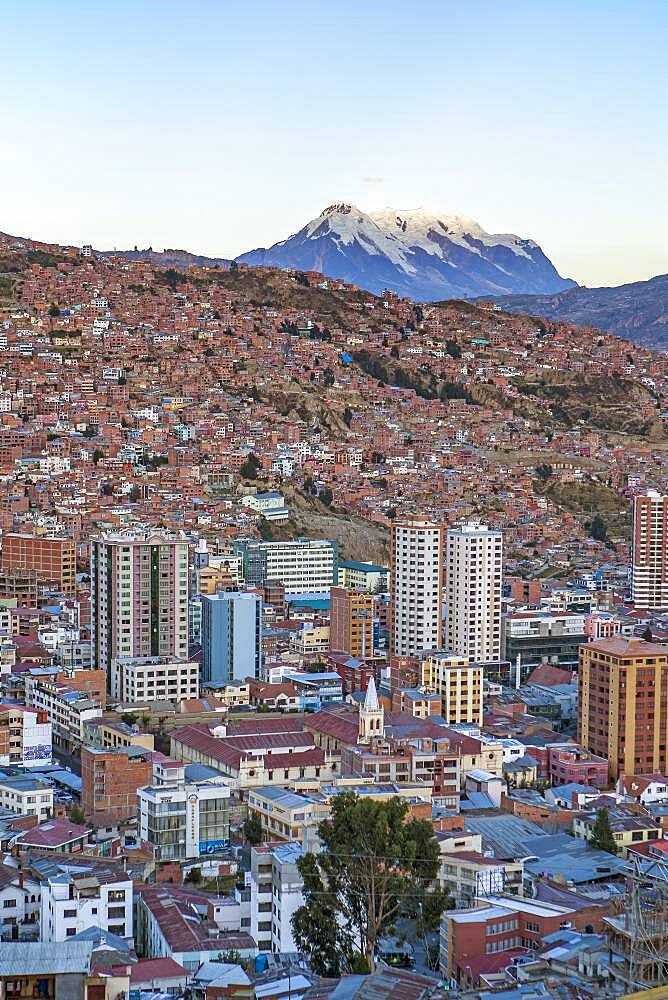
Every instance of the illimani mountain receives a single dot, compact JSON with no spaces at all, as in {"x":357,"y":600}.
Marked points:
{"x":637,"y":311}
{"x":423,"y":254}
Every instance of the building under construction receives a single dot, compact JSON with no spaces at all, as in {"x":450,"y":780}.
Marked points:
{"x":639,"y":932}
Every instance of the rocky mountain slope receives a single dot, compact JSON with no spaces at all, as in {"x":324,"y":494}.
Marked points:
{"x":419,"y":253}
{"x":637,"y":311}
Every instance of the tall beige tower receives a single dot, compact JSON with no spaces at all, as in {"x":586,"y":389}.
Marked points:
{"x":473,"y":592}
{"x":416,"y":580}
{"x":649,"y":579}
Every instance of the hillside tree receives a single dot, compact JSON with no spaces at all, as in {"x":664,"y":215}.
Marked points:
{"x":375,"y":864}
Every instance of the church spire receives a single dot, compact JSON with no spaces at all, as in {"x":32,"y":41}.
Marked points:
{"x":372,"y":716}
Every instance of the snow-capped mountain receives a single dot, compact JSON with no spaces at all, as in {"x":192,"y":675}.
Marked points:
{"x":425,"y":254}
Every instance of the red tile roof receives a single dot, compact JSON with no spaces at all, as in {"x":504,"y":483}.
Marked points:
{"x":149,"y":969}
{"x":548,"y":676}
{"x":55,"y":833}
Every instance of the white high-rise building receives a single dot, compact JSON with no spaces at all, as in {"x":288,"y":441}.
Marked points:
{"x":139,"y":596}
{"x":473,"y":592}
{"x":649,"y":578}
{"x":416,"y":579}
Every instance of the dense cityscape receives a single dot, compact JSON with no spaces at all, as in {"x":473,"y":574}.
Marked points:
{"x":334,"y":501}
{"x":282,"y":558}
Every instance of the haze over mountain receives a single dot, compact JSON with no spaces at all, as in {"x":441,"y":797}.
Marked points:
{"x":420,"y":253}
{"x":637,"y":311}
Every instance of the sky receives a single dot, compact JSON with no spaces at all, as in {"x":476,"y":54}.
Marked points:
{"x":221,"y":126}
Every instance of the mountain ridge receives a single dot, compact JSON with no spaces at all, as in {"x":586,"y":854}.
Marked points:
{"x":420,"y":253}
{"x":636,"y":311}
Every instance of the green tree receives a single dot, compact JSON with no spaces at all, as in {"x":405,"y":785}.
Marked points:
{"x":253,"y":829}
{"x":647,"y":635}
{"x":543,"y":471}
{"x":54,"y":311}
{"x":453,"y":349}
{"x":195,"y":876}
{"x":249,"y":469}
{"x":601,"y":833}
{"x":374,"y":865}
{"x":97,"y":455}
{"x":76,"y":815}
{"x":598,"y":529}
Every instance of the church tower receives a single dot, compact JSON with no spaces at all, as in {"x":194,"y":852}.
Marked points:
{"x":372,"y":715}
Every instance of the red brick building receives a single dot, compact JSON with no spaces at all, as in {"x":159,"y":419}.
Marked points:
{"x":473,"y":939}
{"x":110,"y":779}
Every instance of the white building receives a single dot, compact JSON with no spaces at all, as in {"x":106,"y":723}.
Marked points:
{"x":416,"y":573}
{"x":26,"y":796}
{"x":153,"y":678}
{"x":79,"y":897}
{"x":276,"y":892}
{"x":184,"y":819}
{"x":473,"y":592}
{"x":65,"y":708}
{"x":649,"y":572}
{"x":271,"y":506}
{"x":19,"y":905}
{"x":303,"y":565}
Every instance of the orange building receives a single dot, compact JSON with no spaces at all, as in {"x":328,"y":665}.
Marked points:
{"x":623,"y":710}
{"x":53,"y":558}
{"x":351,"y":622}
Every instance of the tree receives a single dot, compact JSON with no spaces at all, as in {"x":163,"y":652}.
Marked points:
{"x":54,"y":311}
{"x":374,"y":865}
{"x":543,"y":471}
{"x":347,"y":416}
{"x":598,"y":529}
{"x":453,"y":349}
{"x":647,"y":635}
{"x":249,"y":469}
{"x":195,"y":876}
{"x":97,"y":455}
{"x":601,"y":833}
{"x":76,"y":815}
{"x":253,"y":829}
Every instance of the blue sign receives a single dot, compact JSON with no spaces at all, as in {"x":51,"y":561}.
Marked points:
{"x":213,"y":846}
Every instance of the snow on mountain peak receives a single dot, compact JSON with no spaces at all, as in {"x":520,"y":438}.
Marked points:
{"x":426,"y":227}
{"x":421,"y":252}
{"x":347,"y":225}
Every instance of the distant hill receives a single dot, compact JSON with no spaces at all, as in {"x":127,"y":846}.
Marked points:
{"x":419,"y":253}
{"x":637,"y":311}
{"x":167,"y":258}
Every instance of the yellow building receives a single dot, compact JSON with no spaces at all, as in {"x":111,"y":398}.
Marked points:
{"x":458,"y":682}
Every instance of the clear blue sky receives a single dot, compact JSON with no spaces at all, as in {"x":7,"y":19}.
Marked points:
{"x":220,"y":126}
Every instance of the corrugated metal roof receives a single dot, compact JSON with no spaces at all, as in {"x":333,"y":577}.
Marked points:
{"x":27,"y":958}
